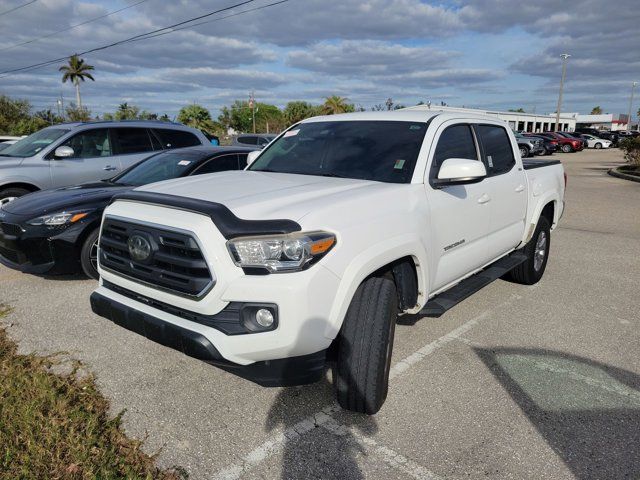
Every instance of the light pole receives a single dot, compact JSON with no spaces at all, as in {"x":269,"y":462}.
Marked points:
{"x":633,"y":87}
{"x":564,"y":57}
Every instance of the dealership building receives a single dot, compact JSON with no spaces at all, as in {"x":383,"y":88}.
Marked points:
{"x":521,"y":122}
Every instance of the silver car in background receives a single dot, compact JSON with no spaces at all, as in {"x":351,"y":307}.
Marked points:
{"x":74,"y":153}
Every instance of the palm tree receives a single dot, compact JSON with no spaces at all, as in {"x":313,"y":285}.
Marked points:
{"x":76,"y":71}
{"x":334,"y":105}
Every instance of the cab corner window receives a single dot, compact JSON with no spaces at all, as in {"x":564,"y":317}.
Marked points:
{"x":90,"y":144}
{"x":497,"y":152}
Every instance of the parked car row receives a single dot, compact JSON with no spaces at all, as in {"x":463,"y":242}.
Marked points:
{"x":546,"y":143}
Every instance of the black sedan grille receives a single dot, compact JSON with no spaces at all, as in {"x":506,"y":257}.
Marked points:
{"x":10,"y":229}
{"x":175,"y":262}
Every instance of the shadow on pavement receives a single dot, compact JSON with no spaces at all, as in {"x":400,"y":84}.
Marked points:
{"x":588,"y":412}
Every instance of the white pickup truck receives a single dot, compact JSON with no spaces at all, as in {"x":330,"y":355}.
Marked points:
{"x":338,"y":226}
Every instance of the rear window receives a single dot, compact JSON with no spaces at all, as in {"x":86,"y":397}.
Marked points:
{"x":496,"y":149}
{"x":247,"y":140}
{"x":383,"y":151}
{"x":176,"y":138}
{"x":132,"y":140}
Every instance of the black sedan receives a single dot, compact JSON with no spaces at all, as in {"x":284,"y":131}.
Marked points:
{"x":56,"y":231}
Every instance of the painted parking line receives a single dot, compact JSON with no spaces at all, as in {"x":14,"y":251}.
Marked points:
{"x":324,"y":417}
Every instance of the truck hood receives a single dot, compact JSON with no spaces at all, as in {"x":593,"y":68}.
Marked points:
{"x":265,"y":195}
{"x":61,"y":199}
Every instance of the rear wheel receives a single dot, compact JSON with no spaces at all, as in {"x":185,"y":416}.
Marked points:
{"x":9,"y":194}
{"x":537,"y":252}
{"x":89,"y":255}
{"x":566,"y":148}
{"x":365,"y":345}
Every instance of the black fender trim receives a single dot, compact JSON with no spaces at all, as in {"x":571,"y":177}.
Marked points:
{"x":224,"y":219}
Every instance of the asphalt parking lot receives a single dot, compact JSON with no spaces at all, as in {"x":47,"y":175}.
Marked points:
{"x":515,"y":382}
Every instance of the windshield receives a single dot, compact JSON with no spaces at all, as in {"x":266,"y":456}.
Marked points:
{"x":383,"y":151}
{"x":163,"y":166}
{"x":29,"y":146}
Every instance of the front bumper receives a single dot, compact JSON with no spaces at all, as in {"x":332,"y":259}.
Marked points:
{"x":37,"y":249}
{"x":278,"y":372}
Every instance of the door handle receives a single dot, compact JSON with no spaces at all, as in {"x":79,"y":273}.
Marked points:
{"x":484,"y":198}
{"x":109,"y":167}
{"x":520,"y":188}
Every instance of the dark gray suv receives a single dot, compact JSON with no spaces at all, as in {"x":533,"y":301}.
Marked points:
{"x":74,"y":153}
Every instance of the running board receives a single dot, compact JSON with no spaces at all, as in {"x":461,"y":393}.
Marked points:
{"x":439,"y":304}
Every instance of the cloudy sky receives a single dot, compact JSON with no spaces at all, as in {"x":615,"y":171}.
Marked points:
{"x":496,"y":54}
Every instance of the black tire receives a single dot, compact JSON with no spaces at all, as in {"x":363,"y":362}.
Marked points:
{"x":89,"y":255}
{"x":365,"y":345}
{"x":524,"y":151}
{"x":598,"y":146}
{"x":532,"y":269}
{"x":566,"y":148}
{"x":11,"y":192}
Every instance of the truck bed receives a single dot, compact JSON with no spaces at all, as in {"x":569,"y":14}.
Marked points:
{"x":529,"y":164}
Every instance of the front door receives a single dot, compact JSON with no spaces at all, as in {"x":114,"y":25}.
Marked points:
{"x":459,"y":213}
{"x":92,"y":160}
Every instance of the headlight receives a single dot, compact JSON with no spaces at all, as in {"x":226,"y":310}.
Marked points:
{"x":281,"y":253}
{"x":58,"y":219}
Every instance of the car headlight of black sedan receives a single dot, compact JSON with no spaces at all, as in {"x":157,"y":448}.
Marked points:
{"x":59,"y":219}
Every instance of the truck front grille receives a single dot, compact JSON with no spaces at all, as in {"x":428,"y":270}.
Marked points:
{"x":165,"y":259}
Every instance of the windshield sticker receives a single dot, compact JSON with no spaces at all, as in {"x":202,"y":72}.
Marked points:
{"x":490,"y":161}
{"x":291,"y":133}
{"x":184,"y":163}
{"x":415,"y":127}
{"x":399,"y":165}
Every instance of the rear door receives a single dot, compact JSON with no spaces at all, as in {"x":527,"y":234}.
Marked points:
{"x":132,"y":144}
{"x":506,"y":185}
{"x":459,"y":213}
{"x":93,"y":159}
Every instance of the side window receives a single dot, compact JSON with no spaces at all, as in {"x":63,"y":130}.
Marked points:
{"x":90,"y":143}
{"x":218,"y":164}
{"x":176,"y":138}
{"x":242,"y":160}
{"x":496,"y":149}
{"x":263,"y":141}
{"x":132,"y":140}
{"x":455,"y":142}
{"x":248,"y":140}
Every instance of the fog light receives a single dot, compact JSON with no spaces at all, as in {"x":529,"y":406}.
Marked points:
{"x":264,"y":318}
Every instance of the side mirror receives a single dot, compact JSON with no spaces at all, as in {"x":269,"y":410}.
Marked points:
{"x":252,"y":156}
{"x":63,"y":152}
{"x":460,"y":171}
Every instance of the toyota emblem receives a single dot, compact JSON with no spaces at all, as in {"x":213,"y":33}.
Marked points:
{"x":139,"y":248}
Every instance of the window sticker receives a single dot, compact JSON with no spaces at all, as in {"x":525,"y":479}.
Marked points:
{"x":399,"y":165}
{"x":291,"y":133}
{"x":490,"y":161}
{"x":184,"y":163}
{"x":415,"y":127}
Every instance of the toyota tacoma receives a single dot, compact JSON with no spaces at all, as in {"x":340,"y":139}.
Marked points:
{"x":341,"y":224}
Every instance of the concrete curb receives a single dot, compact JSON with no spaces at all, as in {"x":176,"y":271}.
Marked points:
{"x":614,"y":172}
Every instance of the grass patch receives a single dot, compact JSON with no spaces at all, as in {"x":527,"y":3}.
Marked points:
{"x":57,"y":425}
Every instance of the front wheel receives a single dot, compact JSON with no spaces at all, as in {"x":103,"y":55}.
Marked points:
{"x":537,"y":252}
{"x":524,"y":152}
{"x":566,"y":148}
{"x":598,"y":146}
{"x":89,"y":255}
{"x":365,"y":344}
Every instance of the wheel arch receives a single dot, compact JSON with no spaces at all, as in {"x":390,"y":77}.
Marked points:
{"x":24,"y":185}
{"x":405,"y":261}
